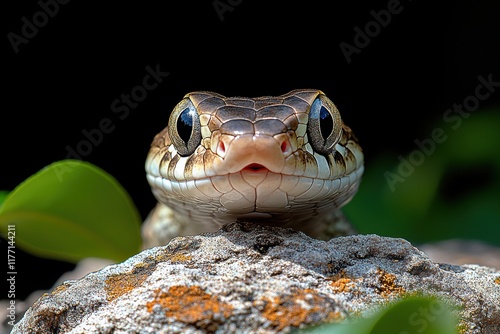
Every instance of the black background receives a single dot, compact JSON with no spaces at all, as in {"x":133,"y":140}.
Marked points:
{"x":64,"y":79}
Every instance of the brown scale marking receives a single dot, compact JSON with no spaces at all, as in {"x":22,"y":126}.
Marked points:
{"x":213,"y":140}
{"x":194,"y":160}
{"x":205,"y":142}
{"x":278,"y":112}
{"x":165,"y":160}
{"x":336,"y":162}
{"x":307,"y":95}
{"x":188,"y":168}
{"x":214,"y":123}
{"x":310,"y":160}
{"x":171,"y":166}
{"x":350,"y":161}
{"x":292,"y":122}
{"x":302,"y":158}
{"x":349,"y":134}
{"x":210,"y":104}
{"x":199,"y":97}
{"x":296,"y":103}
{"x":226,"y":113}
{"x":236,"y":126}
{"x":270,"y":127}
{"x":240,"y":102}
{"x":292,"y":137}
{"x":346,"y":135}
{"x":208,"y":159}
{"x":267,"y":101}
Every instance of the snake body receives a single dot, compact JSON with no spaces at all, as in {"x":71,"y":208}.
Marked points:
{"x":284,"y":160}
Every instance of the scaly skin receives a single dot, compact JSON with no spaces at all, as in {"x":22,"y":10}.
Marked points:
{"x":284,"y":161}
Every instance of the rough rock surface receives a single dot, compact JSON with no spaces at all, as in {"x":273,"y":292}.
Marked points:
{"x":246,"y":278}
{"x":83,"y":268}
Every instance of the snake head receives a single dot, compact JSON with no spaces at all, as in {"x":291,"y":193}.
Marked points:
{"x":246,"y":155}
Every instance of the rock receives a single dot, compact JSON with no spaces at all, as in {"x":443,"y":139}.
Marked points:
{"x":247,"y":278}
{"x":84,"y":267}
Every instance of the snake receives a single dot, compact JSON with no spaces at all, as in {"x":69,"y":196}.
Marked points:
{"x":286,"y":161}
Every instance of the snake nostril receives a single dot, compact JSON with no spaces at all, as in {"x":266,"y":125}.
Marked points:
{"x":283,"y":146}
{"x":221,"y":148}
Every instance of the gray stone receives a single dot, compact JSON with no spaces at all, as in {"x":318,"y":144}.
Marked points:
{"x":84,"y":267}
{"x":247,"y":278}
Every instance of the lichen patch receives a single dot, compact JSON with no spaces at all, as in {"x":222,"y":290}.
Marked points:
{"x":61,"y":288}
{"x":301,"y":307}
{"x":497,"y":280}
{"x":387,"y":284}
{"x":180,"y":258}
{"x":343,"y":283}
{"x":191,"y":305}
{"x":120,"y":284}
{"x":173,"y":257}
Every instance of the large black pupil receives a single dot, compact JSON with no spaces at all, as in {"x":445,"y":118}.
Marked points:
{"x":185,"y":124}
{"x":325,"y":122}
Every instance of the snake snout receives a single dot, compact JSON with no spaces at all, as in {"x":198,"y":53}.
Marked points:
{"x":256,"y":153}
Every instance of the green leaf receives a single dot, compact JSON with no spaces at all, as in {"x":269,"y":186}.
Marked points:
{"x":411,"y":315}
{"x":3,"y":196}
{"x":71,"y":210}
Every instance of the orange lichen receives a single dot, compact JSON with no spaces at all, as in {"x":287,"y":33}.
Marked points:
{"x":174,"y":257}
{"x":191,"y":305}
{"x":179,"y":257}
{"x":120,"y":284}
{"x":59,"y":289}
{"x":301,"y":307}
{"x":343,"y":283}
{"x":388,"y":284}
{"x":497,"y":281}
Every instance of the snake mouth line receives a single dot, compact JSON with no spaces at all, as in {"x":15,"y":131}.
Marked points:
{"x":255,"y":168}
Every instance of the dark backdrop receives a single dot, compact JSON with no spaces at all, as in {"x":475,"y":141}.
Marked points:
{"x":63,"y":78}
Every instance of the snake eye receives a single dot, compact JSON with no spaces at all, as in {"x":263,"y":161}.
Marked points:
{"x":184,"y":128}
{"x":324,"y":126}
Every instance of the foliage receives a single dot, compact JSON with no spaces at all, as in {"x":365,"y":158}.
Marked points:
{"x":411,"y":315}
{"x":452,"y":192}
{"x":71,"y":210}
